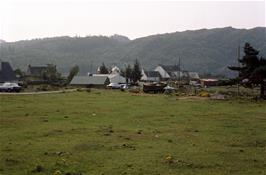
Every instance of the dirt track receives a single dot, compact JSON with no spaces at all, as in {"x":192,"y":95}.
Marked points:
{"x":38,"y":93}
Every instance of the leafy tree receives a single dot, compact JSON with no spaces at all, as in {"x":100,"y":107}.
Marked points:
{"x":73,"y":72}
{"x":103,"y":69}
{"x":51,"y":74}
{"x":136,"y":72}
{"x":252,"y":71}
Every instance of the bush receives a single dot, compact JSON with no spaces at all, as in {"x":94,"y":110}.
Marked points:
{"x":204,"y":94}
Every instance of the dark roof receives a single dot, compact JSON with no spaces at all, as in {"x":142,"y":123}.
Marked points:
{"x":89,"y":80}
{"x":170,"y":68}
{"x":152,"y":73}
{"x":7,"y":73}
{"x":36,"y":70}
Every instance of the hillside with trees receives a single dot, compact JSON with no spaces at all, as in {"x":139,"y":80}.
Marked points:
{"x":205,"y":50}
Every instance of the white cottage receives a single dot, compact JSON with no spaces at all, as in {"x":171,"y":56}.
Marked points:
{"x":115,"y":70}
{"x":169,"y":71}
{"x":151,"y":76}
{"x":173,"y":72}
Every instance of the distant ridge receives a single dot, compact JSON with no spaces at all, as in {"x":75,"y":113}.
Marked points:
{"x":120,"y":38}
{"x":2,"y":41}
{"x":204,"y":50}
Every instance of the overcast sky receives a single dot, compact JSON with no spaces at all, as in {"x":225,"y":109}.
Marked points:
{"x":28,"y":19}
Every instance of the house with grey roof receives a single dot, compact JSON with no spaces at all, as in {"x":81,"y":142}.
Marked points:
{"x":7,"y":74}
{"x":169,"y":71}
{"x":114,"y":78}
{"x":173,"y":72}
{"x":150,"y":76}
{"x":90,"y":81}
{"x":36,"y":71}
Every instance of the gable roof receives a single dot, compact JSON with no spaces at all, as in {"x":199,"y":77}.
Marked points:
{"x":89,"y":80}
{"x":36,"y":70}
{"x":152,"y":73}
{"x":7,"y":73}
{"x":170,"y":68}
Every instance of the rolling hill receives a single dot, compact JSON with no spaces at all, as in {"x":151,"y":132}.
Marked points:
{"x":205,"y":50}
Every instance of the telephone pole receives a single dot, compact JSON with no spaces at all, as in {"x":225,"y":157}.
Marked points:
{"x":179,"y":72}
{"x":238,"y":57}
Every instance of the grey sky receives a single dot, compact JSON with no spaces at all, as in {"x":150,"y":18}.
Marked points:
{"x":27,"y":19}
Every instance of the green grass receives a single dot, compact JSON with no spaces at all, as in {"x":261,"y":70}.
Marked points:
{"x":111,"y":132}
{"x":233,"y":90}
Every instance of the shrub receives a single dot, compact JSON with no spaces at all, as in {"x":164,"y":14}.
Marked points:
{"x":204,"y":94}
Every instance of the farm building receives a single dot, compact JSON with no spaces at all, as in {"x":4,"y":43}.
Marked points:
{"x":114,"y":78}
{"x":193,"y":76}
{"x":209,"y":82}
{"x":115,"y":70}
{"x":35,"y":74}
{"x":36,"y":71}
{"x":6,"y":73}
{"x":172,"y":72}
{"x":168,"y":71}
{"x":151,"y":76}
{"x":90,"y":81}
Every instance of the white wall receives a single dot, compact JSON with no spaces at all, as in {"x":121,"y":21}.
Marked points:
{"x":116,"y":78}
{"x":162,"y":72}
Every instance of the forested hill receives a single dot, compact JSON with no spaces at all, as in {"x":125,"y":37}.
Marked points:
{"x":205,"y":50}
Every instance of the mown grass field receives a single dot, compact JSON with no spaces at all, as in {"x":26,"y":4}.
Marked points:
{"x":113,"y":133}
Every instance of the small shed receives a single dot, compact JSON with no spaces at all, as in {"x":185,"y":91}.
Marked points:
{"x":90,"y":81}
{"x":209,"y":82}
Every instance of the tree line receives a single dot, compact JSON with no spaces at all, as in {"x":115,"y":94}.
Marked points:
{"x":51,"y":75}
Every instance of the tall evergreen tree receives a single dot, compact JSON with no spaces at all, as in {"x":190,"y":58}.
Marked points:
{"x":103,"y":69}
{"x":252,"y":71}
{"x":136,"y":72}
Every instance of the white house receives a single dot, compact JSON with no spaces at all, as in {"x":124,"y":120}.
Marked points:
{"x":152,"y":76}
{"x":173,"y":72}
{"x":115,"y":70}
{"x":169,"y":71}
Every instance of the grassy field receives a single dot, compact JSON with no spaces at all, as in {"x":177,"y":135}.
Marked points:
{"x":113,"y":133}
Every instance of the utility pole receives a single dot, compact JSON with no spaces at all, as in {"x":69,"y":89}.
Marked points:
{"x":238,"y":57}
{"x":91,"y":68}
{"x":179,"y":72}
